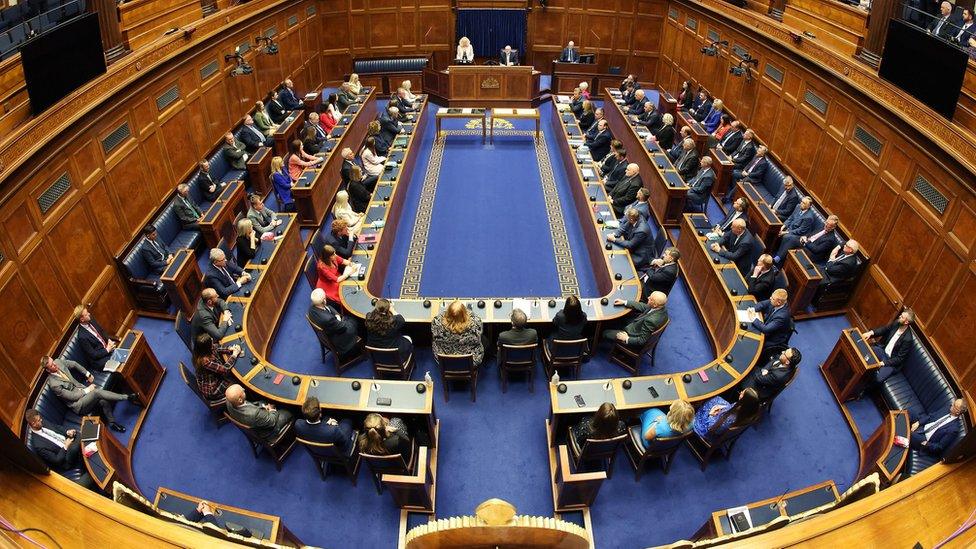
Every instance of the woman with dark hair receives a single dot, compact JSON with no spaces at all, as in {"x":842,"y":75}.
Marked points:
{"x":330,"y":113}
{"x":604,"y":424}
{"x":717,"y":415}
{"x":213,"y":364}
{"x":384,"y":329}
{"x":298,"y":160}
{"x":310,"y":141}
{"x":328,"y":271}
{"x":359,"y":195}
{"x":457,"y":332}
{"x":723,"y":127}
{"x":570,"y":321}
{"x":384,"y":437}
{"x":686,"y":97}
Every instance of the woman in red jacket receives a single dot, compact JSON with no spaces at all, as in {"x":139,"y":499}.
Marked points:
{"x":328,"y":270}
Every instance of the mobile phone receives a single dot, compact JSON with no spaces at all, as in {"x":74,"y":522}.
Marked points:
{"x":384,"y":401}
{"x":579,"y":401}
{"x":703,"y":376}
{"x":653,"y":391}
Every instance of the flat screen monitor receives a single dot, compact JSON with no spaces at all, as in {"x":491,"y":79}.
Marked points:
{"x":930,"y":69}
{"x":58,"y":61}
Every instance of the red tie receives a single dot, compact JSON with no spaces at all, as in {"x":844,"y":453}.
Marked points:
{"x":95,"y":333}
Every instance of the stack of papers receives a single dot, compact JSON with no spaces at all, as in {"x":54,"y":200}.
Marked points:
{"x":563,"y":99}
{"x":465,"y":111}
{"x":589,"y":173}
{"x":527,"y":112}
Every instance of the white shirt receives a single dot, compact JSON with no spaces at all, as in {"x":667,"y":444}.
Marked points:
{"x":932,"y":427}
{"x":890,"y":347}
{"x":52,"y":436}
{"x":465,"y":52}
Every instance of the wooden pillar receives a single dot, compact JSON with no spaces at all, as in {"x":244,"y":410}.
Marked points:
{"x":108,"y":24}
{"x":881,"y":13}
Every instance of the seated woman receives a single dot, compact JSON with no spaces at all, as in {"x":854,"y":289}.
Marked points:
{"x":372,"y":161}
{"x":657,"y":424}
{"x":585,"y":90}
{"x":247,"y":242}
{"x":465,"y":51}
{"x":311,"y":142}
{"x":384,"y":329}
{"x":717,"y":415}
{"x":359,"y":193}
{"x":262,"y":120}
{"x":457,"y":332}
{"x":298,"y":160}
{"x":282,"y":182}
{"x":329,"y":276}
{"x":604,"y":424}
{"x":342,"y":210}
{"x":384,"y":437}
{"x":330,"y":114}
{"x":213,"y":364}
{"x":410,"y":95}
{"x":354,"y":85}
{"x":665,"y":136}
{"x":723,"y":127}
{"x":588,"y":116}
{"x":568,"y":323}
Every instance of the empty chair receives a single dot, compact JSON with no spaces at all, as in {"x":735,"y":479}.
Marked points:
{"x":184,"y":330}
{"x":662,"y":449}
{"x":216,"y":407}
{"x":458,"y":368}
{"x":602,"y":450}
{"x":278,"y":449}
{"x":660,"y":242}
{"x":326,"y":454}
{"x":629,"y":359}
{"x":343,"y":363}
{"x":388,"y":364}
{"x":394,"y":464}
{"x":704,"y":449}
{"x":563,"y":355}
{"x":311,"y":274}
{"x":518,"y":359}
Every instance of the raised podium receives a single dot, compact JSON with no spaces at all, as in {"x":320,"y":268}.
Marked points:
{"x":849,"y":364}
{"x":484,"y":85}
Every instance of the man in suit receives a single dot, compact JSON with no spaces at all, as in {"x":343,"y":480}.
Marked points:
{"x":346,"y":97}
{"x":95,"y":343}
{"x":252,"y":137}
{"x":819,"y":245}
{"x":263,"y":218}
{"x":570,"y":53}
{"x":787,"y":200}
{"x":625,"y":191}
{"x":755,"y":169}
{"x":348,"y":160}
{"x":154,"y":252}
{"x":209,"y":188}
{"x":340,"y":331}
{"x":276,"y":111}
{"x":224,"y":275}
{"x":651,"y":316}
{"x":777,"y":322}
{"x":942,"y":26}
{"x":744,"y":153}
{"x":80,"y":398}
{"x":964,"y":32}
{"x":635,"y":237}
{"x":934,"y":436}
{"x":600,"y":144}
{"x":598,"y":115}
{"x":187,"y":210}
{"x":619,"y":164}
{"x":640,"y":204}
{"x":732,"y":139}
{"x":289,"y":99}
{"x":700,"y":186}
{"x":738,"y":211}
{"x":234,"y":151}
{"x":402,"y":103}
{"x":736,"y":245}
{"x":663,"y":273}
{"x":339,"y":238}
{"x":796,"y":227}
{"x":508,"y":57}
{"x":651,"y":117}
{"x":761,"y":280}
{"x":891,"y":344}
{"x":212,"y":317}
{"x":769,"y":380}
{"x":390,"y":125}
{"x":714,"y":116}
{"x":637,"y":108}
{"x":324,"y":430}
{"x":679,"y":144}
{"x":59,"y":448}
{"x":630,"y":80}
{"x":519,"y":334}
{"x":262,"y":418}
{"x":701,"y":106}
{"x":687,"y":163}
{"x":321,"y":137}
{"x":842,"y":264}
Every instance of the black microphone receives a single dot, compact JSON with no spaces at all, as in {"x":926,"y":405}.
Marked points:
{"x":778,"y":500}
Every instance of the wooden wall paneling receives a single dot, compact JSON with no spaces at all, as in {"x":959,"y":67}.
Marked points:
{"x":358,"y":31}
{"x":804,"y":141}
{"x":20,"y":227}
{"x":109,"y":299}
{"x":184,"y":147}
{"x":928,"y":296}
{"x":953,"y":332}
{"x":963,"y":228}
{"x":104,"y":209}
{"x":876,"y":217}
{"x":906,"y":247}
{"x":46,"y":281}
{"x":75,"y":241}
{"x":25,"y":338}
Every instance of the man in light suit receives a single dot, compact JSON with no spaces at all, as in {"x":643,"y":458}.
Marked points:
{"x":209,"y":187}
{"x":234,"y":151}
{"x":687,"y":163}
{"x":797,"y":226}
{"x":58,"y":447}
{"x":769,"y":380}
{"x":652,"y":316}
{"x":732,"y":138}
{"x":154,"y":252}
{"x":340,"y":331}
{"x":95,"y":343}
{"x":787,"y":200}
{"x":211,"y":317}
{"x":262,"y":218}
{"x":777,"y":322}
{"x":289,"y":99}
{"x":313,"y":427}
{"x":187,"y":210}
{"x":262,"y":418}
{"x":508,"y":57}
{"x":519,"y":334}
{"x":570,"y":53}
{"x":252,"y":137}
{"x":933,"y":435}
{"x":625,"y":191}
{"x":224,"y":275}
{"x":635,"y":237}
{"x":819,"y":245}
{"x":600,"y":144}
{"x":842,"y":264}
{"x":663,"y":273}
{"x":700,"y":186}
{"x":736,"y":245}
{"x":81,"y":398}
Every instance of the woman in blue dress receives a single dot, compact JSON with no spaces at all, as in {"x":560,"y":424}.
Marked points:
{"x":717,"y":415}
{"x":656,"y":424}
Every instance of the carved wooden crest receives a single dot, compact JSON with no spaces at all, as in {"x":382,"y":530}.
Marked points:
{"x":490,"y":83}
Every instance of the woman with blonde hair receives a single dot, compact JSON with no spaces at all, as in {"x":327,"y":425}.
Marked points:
{"x":657,"y":424}
{"x":457,"y":332}
{"x":282,"y":182}
{"x":354,"y":85}
{"x":588,"y":115}
{"x":342,"y":210}
{"x":262,"y":120}
{"x":465,"y":51}
{"x":384,"y":437}
{"x":247,"y":242}
{"x":409,"y":96}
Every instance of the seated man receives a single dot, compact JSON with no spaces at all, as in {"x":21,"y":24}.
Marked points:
{"x":262,"y":218}
{"x":80,"y":398}
{"x":390,"y":127}
{"x":204,"y":513}
{"x":625,"y":191}
{"x":651,"y":118}
{"x":262,"y":418}
{"x":346,"y":96}
{"x":58,"y":448}
{"x":288,"y":98}
{"x":211,"y":317}
{"x":701,"y":107}
{"x":651,"y":316}
{"x":252,"y":137}
{"x":761,"y":280}
{"x":341,"y":332}
{"x":744,"y":153}
{"x":635,"y":237}
{"x":787,"y":200}
{"x":842,"y":264}
{"x":737,"y":211}
{"x":891,"y":344}
{"x":640,"y":204}
{"x":277,"y":111}
{"x":934,"y":435}
{"x":700,"y":186}
{"x":234,"y":151}
{"x":210,"y":188}
{"x":519,"y":334}
{"x":154,"y":252}
{"x":187,"y":210}
{"x":678,"y":148}
{"x":600,"y":143}
{"x":224,"y":275}
{"x":95,"y":343}
{"x":616,"y":173}
{"x":732,"y":138}
{"x":755,"y":169}
{"x":688,"y":161}
{"x":736,"y":245}
{"x":339,"y":238}
{"x":777,"y":324}
{"x":663,"y":272}
{"x":797,"y":226}
{"x":771,"y":378}
{"x":609,"y":161}
{"x":637,"y":108}
{"x":570,"y":54}
{"x":312,"y":428}
{"x":508,"y":57}
{"x":819,"y":245}
{"x":321,"y":137}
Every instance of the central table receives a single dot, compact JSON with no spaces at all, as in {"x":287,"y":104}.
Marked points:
{"x":471,"y":114}
{"x":530,"y":114}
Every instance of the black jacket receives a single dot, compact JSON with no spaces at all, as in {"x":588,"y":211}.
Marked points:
{"x":902,"y":347}
{"x":342,"y":333}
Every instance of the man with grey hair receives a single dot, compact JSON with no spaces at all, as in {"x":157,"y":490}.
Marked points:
{"x":224,"y":275}
{"x":635,"y":236}
{"x":519,"y":334}
{"x":843,"y":262}
{"x":211,"y":317}
{"x":651,"y":316}
{"x":934,"y":435}
{"x":346,"y":96}
{"x":264,"y":420}
{"x":637,"y":108}
{"x":687,"y":163}
{"x":341,"y":332}
{"x":187,"y":210}
{"x":625,"y":191}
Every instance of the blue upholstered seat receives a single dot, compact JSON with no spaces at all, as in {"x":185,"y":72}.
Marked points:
{"x":221,"y":170}
{"x":771,"y":184}
{"x":373,"y":66}
{"x":170,"y":232}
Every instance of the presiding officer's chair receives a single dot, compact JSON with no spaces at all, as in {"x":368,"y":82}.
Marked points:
{"x":278,"y":449}
{"x":519,"y":359}
{"x":343,"y":363}
{"x":458,"y":368}
{"x":325,"y":454}
{"x":630,"y":360}
{"x":388,"y":364}
{"x":559,"y":354}
{"x":216,"y":407}
{"x":395,"y":464}
{"x":661,"y":448}
{"x":602,"y":450}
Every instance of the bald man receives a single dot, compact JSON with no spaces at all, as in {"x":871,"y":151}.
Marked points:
{"x":842,"y":264}
{"x":264,"y":419}
{"x":212,"y":317}
{"x":625,"y":191}
{"x":932,"y":434}
{"x":570,"y":53}
{"x":736,"y":245}
{"x":776,"y":324}
{"x":652,"y":316}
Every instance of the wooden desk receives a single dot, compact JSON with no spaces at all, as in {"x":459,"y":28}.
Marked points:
{"x":469,"y":114}
{"x":763,"y":221}
{"x":666,"y":103}
{"x":530,"y":114}
{"x":183,"y":281}
{"x":484,"y":85}
{"x":879,"y":453}
{"x":567,"y":76}
{"x":287,"y":131}
{"x":261,"y":525}
{"x":848,"y":365}
{"x":417,"y":492}
{"x":571,"y":490}
{"x":803,"y":277}
{"x":219,"y":222}
{"x":723,"y":167}
{"x":259,"y":171}
{"x":765,"y":511}
{"x":668,"y":190}
{"x":698,"y":132}
{"x":111,"y":462}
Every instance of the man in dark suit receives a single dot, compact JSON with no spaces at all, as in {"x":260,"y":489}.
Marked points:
{"x":59,"y":448}
{"x":600,"y":144}
{"x":616,"y":173}
{"x":700,"y":186}
{"x":314,"y":122}
{"x":598,"y":115}
{"x":95,"y":343}
{"x":761,"y":280}
{"x":964,"y":31}
{"x":314,"y":428}
{"x":934,"y":436}
{"x":224,"y":275}
{"x":678,"y":148}
{"x":687,"y":163}
{"x":732,"y":138}
{"x":754,"y":171}
{"x":508,"y":57}
{"x":187,"y":210}
{"x":651,"y":316}
{"x":625,"y":191}
{"x":797,"y":226}
{"x":744,"y":153}
{"x":737,"y":211}
{"x":390,"y":126}
{"x":264,"y":420}
{"x":339,"y":238}
{"x":209,"y":187}
{"x":702,"y":106}
{"x":234,"y":151}
{"x":942,"y":26}
{"x":212,"y":317}
{"x":819,"y":245}
{"x":777,"y":322}
{"x":637,"y":108}
{"x":736,"y":245}
{"x":640,"y":204}
{"x":519,"y":334}
{"x":348,"y":160}
{"x":154,"y":252}
{"x":635,"y":237}
{"x":651,"y":118}
{"x":402,"y":103}
{"x":346,"y":97}
{"x":276,"y":111}
{"x":842,"y":264}
{"x":252,"y":137}
{"x":341,"y":332}
{"x":663,"y":273}
{"x":289,"y":99}
{"x":80,"y":398}
{"x":769,"y":380}
{"x":570,"y":53}
{"x":787,"y":200}
{"x":892,"y":345}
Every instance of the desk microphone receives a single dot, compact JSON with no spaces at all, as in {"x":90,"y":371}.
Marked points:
{"x":620,"y":287}
{"x":774,"y":504}
{"x":267,"y":372}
